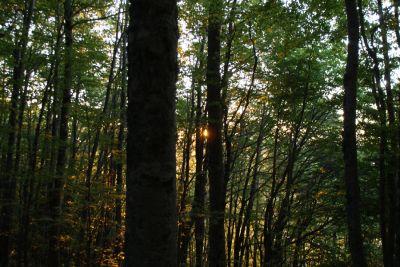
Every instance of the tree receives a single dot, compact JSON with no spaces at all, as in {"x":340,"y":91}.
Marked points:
{"x":152,"y":73}
{"x":216,"y":234}
{"x":57,"y":185}
{"x":349,"y":138}
{"x":274,"y":71}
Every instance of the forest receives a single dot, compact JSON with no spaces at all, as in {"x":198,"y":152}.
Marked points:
{"x":220,"y":133}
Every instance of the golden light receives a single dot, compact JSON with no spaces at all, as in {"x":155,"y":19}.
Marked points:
{"x":205,"y":133}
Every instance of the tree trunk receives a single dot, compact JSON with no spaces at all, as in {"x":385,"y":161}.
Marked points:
{"x":151,"y":190}
{"x":216,"y":254}
{"x":121,"y":130}
{"x":24,"y":185}
{"x":349,"y":138}
{"x":269,"y":210}
{"x":185,"y":224}
{"x":200,"y":183}
{"x":57,"y":186}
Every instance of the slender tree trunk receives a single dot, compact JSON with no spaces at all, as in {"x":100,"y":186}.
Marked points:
{"x":185,"y":224}
{"x":150,"y":237}
{"x":396,"y":18}
{"x":121,"y":130}
{"x":349,"y":138}
{"x":228,"y":164}
{"x":20,"y":120}
{"x":74,"y":131}
{"x":57,"y":187}
{"x":55,"y":107}
{"x":24,"y":185}
{"x":200,"y":182}
{"x":231,"y":222}
{"x":268,"y":215}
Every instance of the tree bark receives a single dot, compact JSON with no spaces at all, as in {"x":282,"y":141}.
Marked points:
{"x":150,"y":237}
{"x":57,"y":186}
{"x":349,"y":138}
{"x":216,"y":237}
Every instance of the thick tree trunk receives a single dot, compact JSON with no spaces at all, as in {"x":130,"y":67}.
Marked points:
{"x":349,"y":138}
{"x":216,"y":237}
{"x":151,"y":190}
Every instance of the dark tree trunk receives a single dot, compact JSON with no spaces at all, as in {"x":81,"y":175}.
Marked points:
{"x":150,"y":237}
{"x":396,"y":18}
{"x":199,"y":198}
{"x":216,"y":237}
{"x":24,"y":185}
{"x":74,"y":130}
{"x":185,"y":224}
{"x":269,"y":210}
{"x":121,"y":130}
{"x":57,"y":186}
{"x":55,"y":111}
{"x":20,"y":120}
{"x":349,"y":138}
{"x":200,"y":183}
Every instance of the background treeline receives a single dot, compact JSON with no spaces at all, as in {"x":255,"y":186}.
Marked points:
{"x":63,"y":86}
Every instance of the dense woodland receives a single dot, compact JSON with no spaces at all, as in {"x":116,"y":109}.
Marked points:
{"x":258,"y":133}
